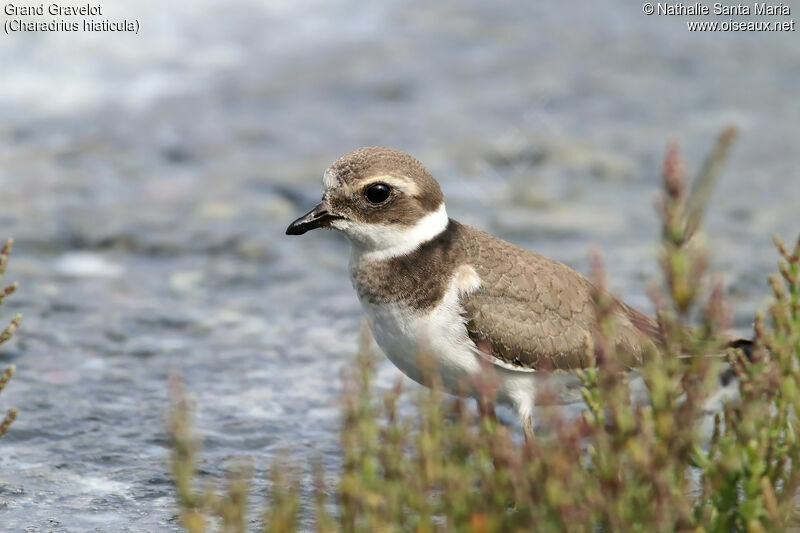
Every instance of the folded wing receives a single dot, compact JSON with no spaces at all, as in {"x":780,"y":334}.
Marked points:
{"x":532,"y":312}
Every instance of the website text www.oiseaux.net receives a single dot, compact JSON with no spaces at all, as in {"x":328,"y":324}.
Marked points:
{"x":740,"y":25}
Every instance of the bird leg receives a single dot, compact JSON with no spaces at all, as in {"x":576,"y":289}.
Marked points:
{"x":486,"y":408}
{"x":527,"y":429}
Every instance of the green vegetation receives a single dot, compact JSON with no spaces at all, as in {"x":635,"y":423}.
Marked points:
{"x":619,"y":467}
{"x":7,"y":333}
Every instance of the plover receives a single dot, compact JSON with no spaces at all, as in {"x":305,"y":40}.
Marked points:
{"x":466,"y":298}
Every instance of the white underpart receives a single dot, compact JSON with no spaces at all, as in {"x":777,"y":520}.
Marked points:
{"x":407,"y":335}
{"x":373,"y":242}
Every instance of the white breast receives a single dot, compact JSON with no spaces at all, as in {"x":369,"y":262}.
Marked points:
{"x":406,"y":334}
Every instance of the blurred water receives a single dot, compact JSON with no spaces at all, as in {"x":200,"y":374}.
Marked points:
{"x":148,"y":181}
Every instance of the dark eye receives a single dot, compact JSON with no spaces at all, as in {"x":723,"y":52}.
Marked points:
{"x":377,"y":193}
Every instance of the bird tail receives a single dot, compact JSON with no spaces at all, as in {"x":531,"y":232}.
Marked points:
{"x":746,"y":345}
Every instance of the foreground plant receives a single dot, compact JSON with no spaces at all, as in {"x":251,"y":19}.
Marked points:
{"x":621,"y":466}
{"x":199,"y":509}
{"x":6,"y":334}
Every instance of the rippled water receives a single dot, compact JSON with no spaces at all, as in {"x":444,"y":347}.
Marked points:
{"x":148,"y":181}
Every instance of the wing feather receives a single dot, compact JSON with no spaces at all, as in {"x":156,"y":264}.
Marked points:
{"x":533,"y":312}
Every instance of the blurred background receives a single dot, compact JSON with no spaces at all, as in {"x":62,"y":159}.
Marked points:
{"x":148,"y":180}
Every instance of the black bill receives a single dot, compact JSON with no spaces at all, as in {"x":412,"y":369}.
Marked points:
{"x":319,"y":217}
